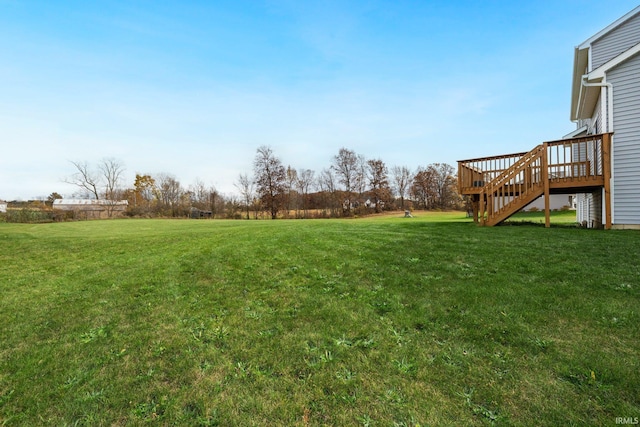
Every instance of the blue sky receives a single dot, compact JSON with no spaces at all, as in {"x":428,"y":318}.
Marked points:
{"x":193,"y":88}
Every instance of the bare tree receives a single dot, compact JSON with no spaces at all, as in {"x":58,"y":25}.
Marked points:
{"x":379,"y":182}
{"x":104,"y":182}
{"x":305,"y":180}
{"x":292,"y":193}
{"x":423,"y":188}
{"x":101,"y":183}
{"x":270,"y":178}
{"x":111,"y":171}
{"x":327,"y":186}
{"x":401,"y":181}
{"x":361,"y":176}
{"x":169,"y":193}
{"x":245,"y":186}
{"x":435,"y":187}
{"x":217,"y":201}
{"x":445,"y":186}
{"x":231,"y":207}
{"x":200,"y":195}
{"x":85,"y":178}
{"x":347,"y":168}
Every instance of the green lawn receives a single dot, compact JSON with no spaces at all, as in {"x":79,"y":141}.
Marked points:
{"x":557,"y":217}
{"x":380,"y":321}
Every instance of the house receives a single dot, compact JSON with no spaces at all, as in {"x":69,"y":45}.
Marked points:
{"x":3,"y":207}
{"x":599,"y":161}
{"x":91,"y":209}
{"x":605,"y":97}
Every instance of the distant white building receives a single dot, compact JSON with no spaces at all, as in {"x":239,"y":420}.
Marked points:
{"x":3,"y":206}
{"x":89,"y":208}
{"x":556,"y":202}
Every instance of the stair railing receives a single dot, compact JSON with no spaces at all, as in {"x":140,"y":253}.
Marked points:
{"x":514,"y":185}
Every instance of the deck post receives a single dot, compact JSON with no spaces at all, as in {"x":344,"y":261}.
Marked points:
{"x":476,"y":207}
{"x":606,"y":174}
{"x":545,"y":181}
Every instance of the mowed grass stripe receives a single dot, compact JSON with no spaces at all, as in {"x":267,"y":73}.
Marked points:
{"x":428,"y":320}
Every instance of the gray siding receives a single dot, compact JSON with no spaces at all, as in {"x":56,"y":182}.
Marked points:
{"x":597,"y":120}
{"x":626,"y":141}
{"x":594,"y":165}
{"x":589,"y":205}
{"x":615,"y":42}
{"x":596,"y":209}
{"x":582,"y":209}
{"x":589,"y":209}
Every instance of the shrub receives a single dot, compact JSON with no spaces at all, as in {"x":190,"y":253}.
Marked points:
{"x":27,"y":215}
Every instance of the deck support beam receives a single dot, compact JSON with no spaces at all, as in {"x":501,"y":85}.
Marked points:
{"x":606,"y":172}
{"x":545,"y":180}
{"x":475,"y":203}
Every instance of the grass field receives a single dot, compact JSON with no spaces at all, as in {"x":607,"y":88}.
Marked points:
{"x":562,"y":218}
{"x":376,"y":322}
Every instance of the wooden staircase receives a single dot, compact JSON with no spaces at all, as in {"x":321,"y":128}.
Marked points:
{"x":513,"y":189}
{"x":501,"y":186}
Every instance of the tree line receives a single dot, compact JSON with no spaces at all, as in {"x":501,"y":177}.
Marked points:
{"x":350,"y":185}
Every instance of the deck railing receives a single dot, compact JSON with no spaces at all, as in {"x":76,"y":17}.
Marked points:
{"x":577,"y":159}
{"x":474,"y":174}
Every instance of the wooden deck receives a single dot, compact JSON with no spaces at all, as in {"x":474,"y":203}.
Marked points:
{"x":502,"y":185}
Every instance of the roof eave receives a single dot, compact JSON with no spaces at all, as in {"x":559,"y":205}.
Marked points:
{"x":587,"y":100}
{"x":580,"y":62}
{"x":609,"y":28}
{"x":583,"y":98}
{"x":576,"y":133}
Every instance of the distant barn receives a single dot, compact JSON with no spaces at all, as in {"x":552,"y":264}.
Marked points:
{"x":199,"y":214}
{"x":92,"y":209}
